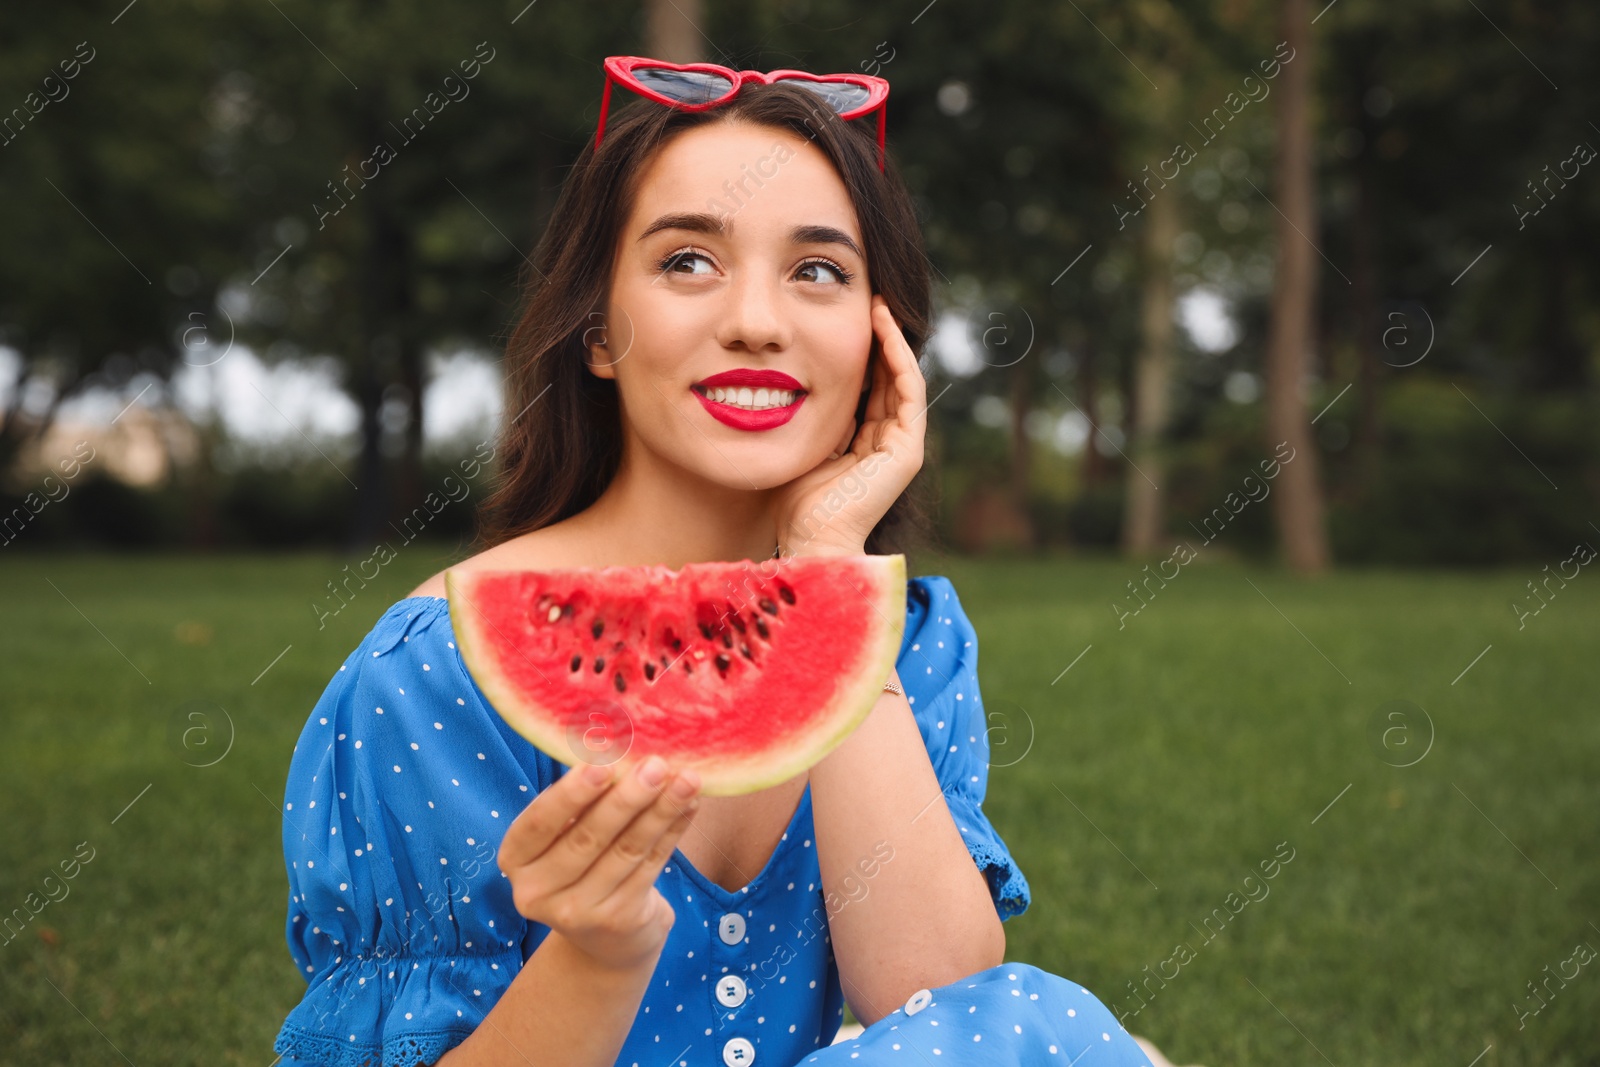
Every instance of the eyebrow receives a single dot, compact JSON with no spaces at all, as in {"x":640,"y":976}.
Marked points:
{"x":717,"y":225}
{"x":697,"y":221}
{"x":824,"y":235}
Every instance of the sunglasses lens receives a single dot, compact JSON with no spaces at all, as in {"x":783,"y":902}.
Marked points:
{"x":840,"y":96}
{"x":684,"y":86}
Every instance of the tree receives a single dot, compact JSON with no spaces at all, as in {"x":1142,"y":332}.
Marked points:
{"x":1143,"y":521}
{"x":1297,"y":503}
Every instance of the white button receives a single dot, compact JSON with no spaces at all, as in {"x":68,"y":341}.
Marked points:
{"x":731,"y":990}
{"x":919,"y":1000}
{"x":738,"y":1052}
{"x":731,"y":928}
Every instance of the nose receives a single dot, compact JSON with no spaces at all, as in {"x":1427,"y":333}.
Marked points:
{"x":754,"y":318}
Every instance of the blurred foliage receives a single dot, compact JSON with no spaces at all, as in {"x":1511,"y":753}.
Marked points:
{"x":291,"y":505}
{"x":189,"y":173}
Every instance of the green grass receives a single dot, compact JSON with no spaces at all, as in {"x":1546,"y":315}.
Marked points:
{"x":1196,"y":739}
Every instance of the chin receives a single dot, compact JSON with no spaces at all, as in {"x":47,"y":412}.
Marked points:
{"x":747,"y":471}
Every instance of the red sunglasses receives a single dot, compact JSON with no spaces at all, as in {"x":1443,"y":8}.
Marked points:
{"x":701,"y":86}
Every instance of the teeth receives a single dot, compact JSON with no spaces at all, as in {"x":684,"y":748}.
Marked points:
{"x":752,"y":399}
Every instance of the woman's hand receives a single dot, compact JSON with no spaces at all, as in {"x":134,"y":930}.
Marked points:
{"x":833,"y":507}
{"x":584,"y":855}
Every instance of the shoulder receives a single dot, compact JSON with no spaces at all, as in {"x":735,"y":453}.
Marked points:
{"x":403,"y":712}
{"x":933,"y":610}
{"x":939,"y":649}
{"x":407,"y":661}
{"x":549,"y":547}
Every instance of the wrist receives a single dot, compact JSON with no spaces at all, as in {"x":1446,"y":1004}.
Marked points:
{"x":821,"y":549}
{"x":621,"y":971}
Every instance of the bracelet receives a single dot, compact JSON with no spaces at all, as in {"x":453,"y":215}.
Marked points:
{"x":892,"y":686}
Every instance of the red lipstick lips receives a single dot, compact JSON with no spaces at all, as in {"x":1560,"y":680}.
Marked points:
{"x":744,"y":418}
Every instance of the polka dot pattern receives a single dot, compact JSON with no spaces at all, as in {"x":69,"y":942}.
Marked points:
{"x":975,"y":1021}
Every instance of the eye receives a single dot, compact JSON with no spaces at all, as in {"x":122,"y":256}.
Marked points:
{"x":686,"y":261}
{"x":823,"y":271}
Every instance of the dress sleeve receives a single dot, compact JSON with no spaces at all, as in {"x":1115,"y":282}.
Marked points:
{"x":938,"y":667}
{"x":399,"y":791}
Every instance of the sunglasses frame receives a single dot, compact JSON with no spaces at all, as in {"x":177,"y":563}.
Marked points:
{"x":619,"y":69}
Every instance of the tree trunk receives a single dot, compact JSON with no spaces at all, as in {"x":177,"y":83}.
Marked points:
{"x":1297,"y":503}
{"x":1143,"y":513}
{"x":1367,"y":284}
{"x":371,"y":495}
{"x":1562,"y":360}
{"x":1094,"y":464}
{"x":408,"y":488}
{"x":1022,"y":449}
{"x":672,"y":31}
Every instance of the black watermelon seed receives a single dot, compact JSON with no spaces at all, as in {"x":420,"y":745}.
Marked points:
{"x":723,"y":662}
{"x":599,"y":664}
{"x":567,"y":611}
{"x":768,"y":606}
{"x":665,"y":662}
{"x":649,"y":671}
{"x":787,"y":594}
{"x":577,"y":661}
{"x":677,"y":645}
{"x":738,"y":624}
{"x":727,"y":639}
{"x":616,"y":679}
{"x":705,"y":631}
{"x":597,"y":628}
{"x":761,"y":627}
{"x":745,"y":649}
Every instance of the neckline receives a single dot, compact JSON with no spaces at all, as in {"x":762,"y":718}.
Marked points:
{"x":717,"y":892}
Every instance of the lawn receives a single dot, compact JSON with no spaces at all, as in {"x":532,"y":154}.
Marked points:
{"x":1243,"y":722}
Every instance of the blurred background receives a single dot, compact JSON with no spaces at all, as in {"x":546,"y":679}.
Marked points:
{"x":259,"y":260}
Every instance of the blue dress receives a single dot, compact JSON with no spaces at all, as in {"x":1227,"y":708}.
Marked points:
{"x":404,"y":780}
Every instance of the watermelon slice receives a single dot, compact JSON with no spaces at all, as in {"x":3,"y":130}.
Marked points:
{"x":748,"y":672}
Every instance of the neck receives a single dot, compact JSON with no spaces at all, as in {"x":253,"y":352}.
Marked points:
{"x":662,"y":514}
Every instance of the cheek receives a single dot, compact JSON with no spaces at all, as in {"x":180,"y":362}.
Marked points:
{"x":650,"y":338}
{"x":841,"y":347}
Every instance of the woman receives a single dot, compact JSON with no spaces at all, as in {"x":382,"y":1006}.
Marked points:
{"x":458,"y":897}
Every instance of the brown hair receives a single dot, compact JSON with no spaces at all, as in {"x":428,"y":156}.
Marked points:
{"x":563,"y":441}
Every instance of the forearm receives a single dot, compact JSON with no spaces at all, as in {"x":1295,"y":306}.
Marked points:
{"x":925,"y":918}
{"x":561,"y":1010}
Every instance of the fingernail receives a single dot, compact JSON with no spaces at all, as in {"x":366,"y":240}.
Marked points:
{"x":652,"y":770}
{"x":684,"y":785}
{"x":595,"y":774}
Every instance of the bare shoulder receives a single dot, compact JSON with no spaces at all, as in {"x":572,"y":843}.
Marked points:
{"x":540,"y":549}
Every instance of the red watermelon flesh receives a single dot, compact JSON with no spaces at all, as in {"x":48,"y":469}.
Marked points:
{"x":748,"y":672}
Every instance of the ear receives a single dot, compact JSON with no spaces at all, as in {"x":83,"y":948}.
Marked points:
{"x":597,"y":354}
{"x":872,"y":359}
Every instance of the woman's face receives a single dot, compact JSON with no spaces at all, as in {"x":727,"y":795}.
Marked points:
{"x":742,"y":254}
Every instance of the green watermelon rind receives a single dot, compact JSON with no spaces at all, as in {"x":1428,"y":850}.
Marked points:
{"x":849,"y":706}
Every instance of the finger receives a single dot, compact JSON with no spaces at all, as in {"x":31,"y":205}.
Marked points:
{"x":572,"y":853}
{"x":644,"y":874}
{"x":637,"y":842}
{"x":844,"y":442}
{"x":880,"y":405}
{"x":878,"y":395}
{"x":909,"y":387}
{"x":549,"y":813}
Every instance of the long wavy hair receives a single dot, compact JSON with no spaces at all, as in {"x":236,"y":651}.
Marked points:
{"x":562,"y":443}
